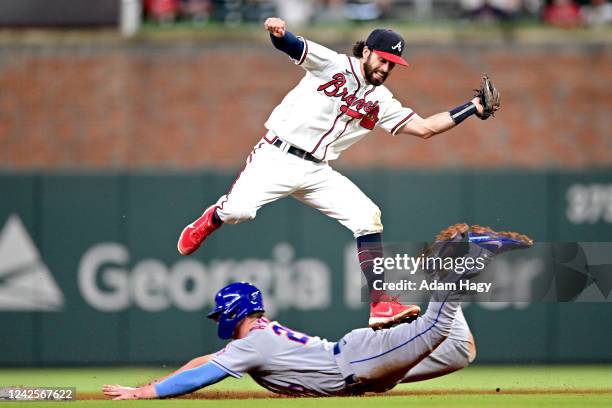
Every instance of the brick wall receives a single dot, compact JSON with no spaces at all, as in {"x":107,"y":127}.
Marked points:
{"x":190,"y":107}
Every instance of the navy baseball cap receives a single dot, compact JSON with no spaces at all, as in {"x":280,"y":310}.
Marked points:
{"x":387,"y":44}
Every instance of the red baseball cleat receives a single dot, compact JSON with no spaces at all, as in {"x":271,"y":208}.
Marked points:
{"x":195,"y":233}
{"x":388,"y":312}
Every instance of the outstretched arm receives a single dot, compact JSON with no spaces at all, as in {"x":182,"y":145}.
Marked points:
{"x":441,"y":122}
{"x":484,"y":105}
{"x":282,"y":39}
{"x":196,"y":374}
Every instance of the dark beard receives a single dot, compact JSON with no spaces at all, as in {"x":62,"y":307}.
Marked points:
{"x":369,"y":73}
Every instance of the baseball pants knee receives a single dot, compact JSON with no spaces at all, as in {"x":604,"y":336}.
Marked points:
{"x":338,"y":197}
{"x":382,"y":358}
{"x":259,"y":183}
{"x":453,"y":354}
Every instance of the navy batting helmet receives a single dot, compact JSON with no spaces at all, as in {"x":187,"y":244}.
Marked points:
{"x":232,"y":304}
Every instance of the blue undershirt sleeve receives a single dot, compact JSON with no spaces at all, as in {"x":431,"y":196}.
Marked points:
{"x":290,"y":44}
{"x":190,"y":380}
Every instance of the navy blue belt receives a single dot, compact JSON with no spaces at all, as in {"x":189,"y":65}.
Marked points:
{"x":336,"y":349}
{"x":296,"y":151}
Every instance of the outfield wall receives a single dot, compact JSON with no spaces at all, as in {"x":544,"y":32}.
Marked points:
{"x":89,"y":272}
{"x":188,"y":105}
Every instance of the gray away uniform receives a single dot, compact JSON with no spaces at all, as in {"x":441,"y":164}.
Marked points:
{"x":288,"y":362}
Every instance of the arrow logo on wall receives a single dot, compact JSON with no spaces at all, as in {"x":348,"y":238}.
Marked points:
{"x":25,"y":281}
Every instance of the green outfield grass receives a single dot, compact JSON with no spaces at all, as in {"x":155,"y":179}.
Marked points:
{"x":519,"y":386}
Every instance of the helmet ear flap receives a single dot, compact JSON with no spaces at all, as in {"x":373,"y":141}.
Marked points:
{"x":231,"y":318}
{"x":232,"y":313}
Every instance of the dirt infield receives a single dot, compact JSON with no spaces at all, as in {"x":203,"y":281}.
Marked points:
{"x":262,"y":394}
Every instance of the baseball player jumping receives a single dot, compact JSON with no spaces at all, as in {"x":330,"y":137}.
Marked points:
{"x":339,"y":100}
{"x":288,"y":362}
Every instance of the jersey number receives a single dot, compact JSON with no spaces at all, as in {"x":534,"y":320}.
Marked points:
{"x":291,"y":335}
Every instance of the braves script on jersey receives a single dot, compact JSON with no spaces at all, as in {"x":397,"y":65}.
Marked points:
{"x":323,"y":113}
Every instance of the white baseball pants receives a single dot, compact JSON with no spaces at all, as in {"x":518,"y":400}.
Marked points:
{"x":271,"y":173}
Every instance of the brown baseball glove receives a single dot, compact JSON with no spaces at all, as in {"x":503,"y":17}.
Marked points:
{"x":490,"y":98}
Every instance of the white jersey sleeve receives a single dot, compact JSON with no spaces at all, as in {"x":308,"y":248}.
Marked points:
{"x":315,"y":57}
{"x":238,"y":357}
{"x":393,"y":115}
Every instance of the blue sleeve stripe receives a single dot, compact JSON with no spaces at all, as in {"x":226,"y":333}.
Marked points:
{"x":227,"y":370}
{"x":190,"y":380}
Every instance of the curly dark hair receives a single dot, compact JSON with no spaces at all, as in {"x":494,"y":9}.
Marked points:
{"x":358,"y":49}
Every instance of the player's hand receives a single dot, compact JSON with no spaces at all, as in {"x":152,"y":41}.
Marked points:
{"x":275,"y":26}
{"x":119,"y":392}
{"x":479,"y":106}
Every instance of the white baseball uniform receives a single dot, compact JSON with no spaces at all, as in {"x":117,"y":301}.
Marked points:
{"x":322,"y":116}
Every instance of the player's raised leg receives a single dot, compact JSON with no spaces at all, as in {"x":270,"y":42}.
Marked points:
{"x":388,"y":356}
{"x":257,"y":184}
{"x":338,"y":197}
{"x":459,"y":349}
